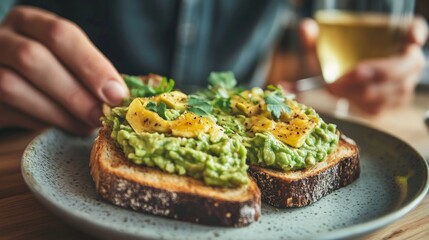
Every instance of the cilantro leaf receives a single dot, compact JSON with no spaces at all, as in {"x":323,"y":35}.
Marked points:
{"x":133,"y":81}
{"x":151,"y":106}
{"x":140,"y":89}
{"x":222,"y":79}
{"x":166,"y":85}
{"x":276,"y":105}
{"x":160,"y":108}
{"x":222,"y":103}
{"x":199,"y":111}
{"x":199,"y":105}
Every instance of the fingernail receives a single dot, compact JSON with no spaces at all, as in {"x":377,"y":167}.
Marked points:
{"x":419,"y":31}
{"x":95,"y":116}
{"x":366,"y":72}
{"x":113,"y":92}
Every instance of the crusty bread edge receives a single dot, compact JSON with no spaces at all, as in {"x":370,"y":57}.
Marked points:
{"x":282,"y":191}
{"x":187,"y":206}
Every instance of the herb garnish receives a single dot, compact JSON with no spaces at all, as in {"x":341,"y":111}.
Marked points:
{"x":222,"y":86}
{"x":222,"y":79}
{"x":140,"y":89}
{"x":159,"y":108}
{"x":276,"y":102}
{"x":199,"y":105}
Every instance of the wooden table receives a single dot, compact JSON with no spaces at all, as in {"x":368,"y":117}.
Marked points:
{"x":405,"y":123}
{"x":23,"y":217}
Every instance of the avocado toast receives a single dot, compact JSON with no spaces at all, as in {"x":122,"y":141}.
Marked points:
{"x":190,"y":157}
{"x":294,"y":156}
{"x":155,"y":155}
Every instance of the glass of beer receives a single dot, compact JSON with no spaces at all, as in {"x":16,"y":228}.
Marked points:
{"x":356,"y":30}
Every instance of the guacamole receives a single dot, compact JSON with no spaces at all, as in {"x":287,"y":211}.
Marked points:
{"x":277,"y":131}
{"x":217,"y":163}
{"x":264,"y":149}
{"x":211,"y":134}
{"x":273,"y":153}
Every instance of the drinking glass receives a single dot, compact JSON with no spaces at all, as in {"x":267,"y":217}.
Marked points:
{"x":356,"y":30}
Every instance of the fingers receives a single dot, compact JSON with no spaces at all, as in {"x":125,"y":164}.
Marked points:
{"x":379,"y":83}
{"x":374,"y":98}
{"x":385,"y":96}
{"x":73,"y":48}
{"x":418,"y":32}
{"x":50,"y":70}
{"x":309,"y":32}
{"x":41,"y":68}
{"x":19,"y":94}
{"x":375,"y":85}
{"x":397,"y":68}
{"x":13,"y":118}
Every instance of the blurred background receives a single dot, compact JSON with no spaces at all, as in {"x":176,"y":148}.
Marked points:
{"x":292,"y":62}
{"x":289,"y":61}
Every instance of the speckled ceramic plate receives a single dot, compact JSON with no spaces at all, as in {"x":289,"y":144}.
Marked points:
{"x":394,"y":179}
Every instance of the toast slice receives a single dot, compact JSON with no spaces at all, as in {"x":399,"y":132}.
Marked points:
{"x":303,"y":187}
{"x":153,"y":191}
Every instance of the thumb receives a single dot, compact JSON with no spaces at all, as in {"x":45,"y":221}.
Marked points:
{"x":309,"y":31}
{"x":418,"y":32}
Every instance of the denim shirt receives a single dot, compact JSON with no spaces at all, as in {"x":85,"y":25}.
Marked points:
{"x":181,"y":39}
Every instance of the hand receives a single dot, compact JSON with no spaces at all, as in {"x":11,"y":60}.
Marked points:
{"x":51,"y":74}
{"x":375,"y":85}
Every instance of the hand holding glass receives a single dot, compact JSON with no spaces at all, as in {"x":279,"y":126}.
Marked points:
{"x":356,"y":30}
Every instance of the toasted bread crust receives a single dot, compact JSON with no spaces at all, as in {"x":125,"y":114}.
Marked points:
{"x":153,"y":191}
{"x":301,"y":188}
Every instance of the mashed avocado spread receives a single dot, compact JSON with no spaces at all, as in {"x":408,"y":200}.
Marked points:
{"x":211,"y":134}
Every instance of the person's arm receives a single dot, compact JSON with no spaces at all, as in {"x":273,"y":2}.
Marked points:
{"x":51,"y":73}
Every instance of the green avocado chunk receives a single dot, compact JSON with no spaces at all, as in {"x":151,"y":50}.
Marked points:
{"x":218,"y":163}
{"x":265,"y":150}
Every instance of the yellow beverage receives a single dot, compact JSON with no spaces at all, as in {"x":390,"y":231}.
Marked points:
{"x":347,"y":38}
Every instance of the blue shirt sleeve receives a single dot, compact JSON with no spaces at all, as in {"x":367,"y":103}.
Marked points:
{"x":5,"y":6}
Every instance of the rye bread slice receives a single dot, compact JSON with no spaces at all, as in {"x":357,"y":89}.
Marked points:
{"x":149,"y":190}
{"x":303,"y":187}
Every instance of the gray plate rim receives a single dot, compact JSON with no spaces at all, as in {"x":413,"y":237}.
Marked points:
{"x":84,"y":222}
